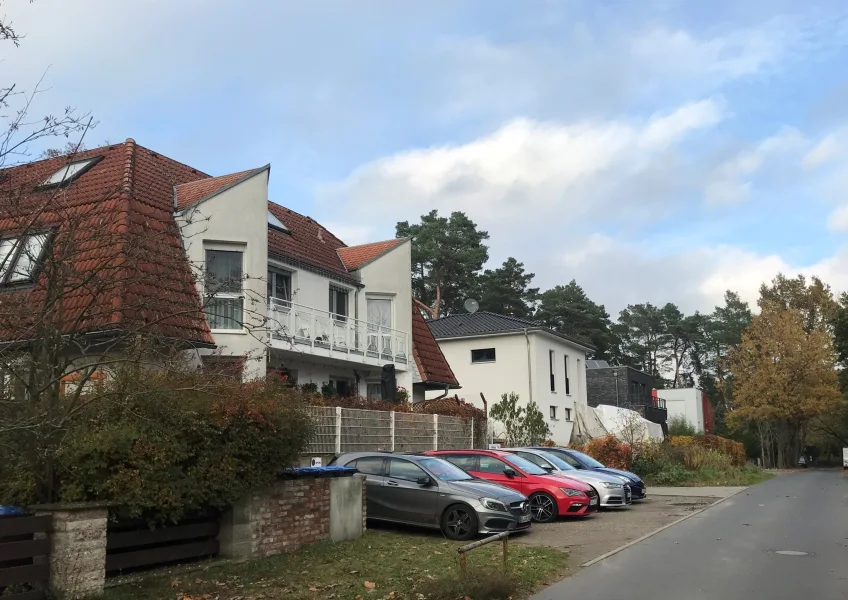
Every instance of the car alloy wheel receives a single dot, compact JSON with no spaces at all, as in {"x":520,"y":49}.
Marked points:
{"x":543,"y":507}
{"x":459,"y":523}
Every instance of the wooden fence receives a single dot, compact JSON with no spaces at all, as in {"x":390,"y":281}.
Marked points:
{"x":24,"y":557}
{"x":134,"y":546}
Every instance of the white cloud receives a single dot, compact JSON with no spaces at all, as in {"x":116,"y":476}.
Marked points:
{"x":525,"y":169}
{"x":838,"y":219}
{"x":826,"y":150}
{"x":731,"y":182}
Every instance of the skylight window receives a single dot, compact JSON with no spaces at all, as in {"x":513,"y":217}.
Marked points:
{"x":70,"y":172}
{"x":21,"y":257}
{"x":275,"y":222}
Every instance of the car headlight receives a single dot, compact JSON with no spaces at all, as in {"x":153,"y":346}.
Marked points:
{"x":570,"y":492}
{"x":493,"y":504}
{"x":610,"y":485}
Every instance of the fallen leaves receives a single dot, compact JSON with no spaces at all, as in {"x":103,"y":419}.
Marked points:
{"x":369,"y":585}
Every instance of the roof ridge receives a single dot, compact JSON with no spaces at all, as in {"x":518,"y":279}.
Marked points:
{"x":126,"y":192}
{"x":154,"y":153}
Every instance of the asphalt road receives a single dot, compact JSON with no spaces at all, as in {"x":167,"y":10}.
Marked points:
{"x":728,"y":552}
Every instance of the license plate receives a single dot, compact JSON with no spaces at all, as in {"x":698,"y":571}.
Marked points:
{"x":593,"y":502}
{"x":524,"y":519}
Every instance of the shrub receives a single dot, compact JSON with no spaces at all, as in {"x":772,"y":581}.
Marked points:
{"x":696,"y":458}
{"x":735,"y":450}
{"x":610,"y":451}
{"x":165,"y":446}
{"x":671,"y":474}
{"x":679,"y":425}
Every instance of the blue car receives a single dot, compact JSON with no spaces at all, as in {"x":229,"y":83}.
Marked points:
{"x":578,"y":460}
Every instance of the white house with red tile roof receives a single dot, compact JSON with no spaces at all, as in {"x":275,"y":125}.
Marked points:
{"x":278,"y":291}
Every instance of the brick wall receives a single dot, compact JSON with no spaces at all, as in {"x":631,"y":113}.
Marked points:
{"x":283,"y":518}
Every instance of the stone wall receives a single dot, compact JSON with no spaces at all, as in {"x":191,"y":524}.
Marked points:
{"x":293,"y":513}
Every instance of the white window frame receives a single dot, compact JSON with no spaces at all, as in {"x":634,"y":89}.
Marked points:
{"x":241,"y":249}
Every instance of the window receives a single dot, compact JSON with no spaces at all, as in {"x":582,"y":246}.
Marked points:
{"x":19,"y":259}
{"x":571,"y":460}
{"x":463,"y":461}
{"x":374,"y":391}
{"x":338,"y":303}
{"x":279,"y":288}
{"x":553,"y":413}
{"x":551,"y":369}
{"x":567,"y":382}
{"x":405,"y":470}
{"x":275,"y":223}
{"x":369,"y":465}
{"x":490,"y":464}
{"x":379,"y":325}
{"x":70,"y":172}
{"x":567,"y":414}
{"x":483,"y":355}
{"x":535,"y":459}
{"x":225,"y":303}
{"x":342,"y":387}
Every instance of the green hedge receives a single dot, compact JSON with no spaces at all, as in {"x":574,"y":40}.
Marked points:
{"x":165,"y":446}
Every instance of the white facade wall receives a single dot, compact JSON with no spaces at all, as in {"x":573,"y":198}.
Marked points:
{"x":390,"y":277}
{"x":509,"y":373}
{"x":687,"y":403}
{"x":236,"y":219}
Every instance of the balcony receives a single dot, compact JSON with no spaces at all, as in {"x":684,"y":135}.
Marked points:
{"x":322,"y":333}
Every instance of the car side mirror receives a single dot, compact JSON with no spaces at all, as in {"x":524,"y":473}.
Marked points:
{"x":548,"y":468}
{"x":509,"y":472}
{"x":424,"y":480}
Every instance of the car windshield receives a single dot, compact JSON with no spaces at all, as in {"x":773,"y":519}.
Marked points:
{"x":557,"y":461}
{"x":526,"y":466}
{"x":585,"y":458}
{"x":443,"y":470}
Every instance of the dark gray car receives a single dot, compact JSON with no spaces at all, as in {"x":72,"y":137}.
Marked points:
{"x":429,"y":491}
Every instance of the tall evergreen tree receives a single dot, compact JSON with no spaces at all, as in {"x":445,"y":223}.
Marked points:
{"x":506,"y":290}
{"x":567,"y":309}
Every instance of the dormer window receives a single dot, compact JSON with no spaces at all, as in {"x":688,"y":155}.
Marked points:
{"x":275,"y":223}
{"x":69,"y":172}
{"x":20,"y":258}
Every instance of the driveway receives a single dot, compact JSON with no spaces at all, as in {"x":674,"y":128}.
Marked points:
{"x":785,"y":538}
{"x":590,"y":537}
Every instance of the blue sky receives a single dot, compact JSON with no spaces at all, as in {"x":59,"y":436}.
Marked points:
{"x":655,"y":151}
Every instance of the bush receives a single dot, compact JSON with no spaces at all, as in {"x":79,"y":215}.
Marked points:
{"x":611,"y":452}
{"x":164,"y":446}
{"x":734,"y":450}
{"x":679,"y":425}
{"x":671,"y":474}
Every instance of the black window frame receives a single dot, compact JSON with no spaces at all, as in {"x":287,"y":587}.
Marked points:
{"x":337,"y":292}
{"x":484,"y":358}
{"x":552,"y":413}
{"x":92,"y":160}
{"x":19,"y":247}
{"x":551,"y":354}
{"x":381,"y":459}
{"x":567,"y":380}
{"x":567,"y":414}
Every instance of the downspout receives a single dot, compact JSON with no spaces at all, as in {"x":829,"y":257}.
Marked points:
{"x":615,"y":374}
{"x":445,"y":393}
{"x":529,"y":375}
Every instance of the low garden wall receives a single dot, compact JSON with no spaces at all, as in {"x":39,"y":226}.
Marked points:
{"x":284,"y":517}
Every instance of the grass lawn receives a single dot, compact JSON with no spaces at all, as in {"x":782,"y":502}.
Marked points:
{"x":711,"y":477}
{"x":384,"y":564}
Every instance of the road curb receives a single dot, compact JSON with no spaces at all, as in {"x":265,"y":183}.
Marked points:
{"x":663,"y":528}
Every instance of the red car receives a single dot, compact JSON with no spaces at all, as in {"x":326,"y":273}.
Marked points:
{"x":550,"y":495}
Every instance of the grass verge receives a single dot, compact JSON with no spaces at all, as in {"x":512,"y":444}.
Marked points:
{"x":709,"y":477}
{"x":396,"y":565}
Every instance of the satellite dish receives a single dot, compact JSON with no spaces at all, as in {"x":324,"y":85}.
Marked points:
{"x":471,"y":305}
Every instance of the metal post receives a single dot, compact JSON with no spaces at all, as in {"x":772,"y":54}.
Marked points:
{"x":472,"y":432}
{"x":435,"y":432}
{"x":338,"y":430}
{"x":392,"y":430}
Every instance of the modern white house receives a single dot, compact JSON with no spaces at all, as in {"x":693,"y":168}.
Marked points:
{"x":689,"y":403}
{"x":494,"y":354}
{"x":283,"y":294}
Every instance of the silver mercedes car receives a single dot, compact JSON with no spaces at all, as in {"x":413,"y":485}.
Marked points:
{"x":614,"y":491}
{"x":430,"y":491}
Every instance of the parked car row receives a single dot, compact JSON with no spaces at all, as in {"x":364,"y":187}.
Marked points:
{"x":470,"y":492}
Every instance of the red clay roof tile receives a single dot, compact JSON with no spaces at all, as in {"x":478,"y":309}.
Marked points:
{"x":195,"y":191}
{"x":307,"y":242}
{"x":355,"y":257}
{"x":117,"y":250}
{"x":432,"y":364}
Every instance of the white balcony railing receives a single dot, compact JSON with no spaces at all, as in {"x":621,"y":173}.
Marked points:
{"x":308,"y":326}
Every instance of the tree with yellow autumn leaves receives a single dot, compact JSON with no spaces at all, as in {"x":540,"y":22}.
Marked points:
{"x":784,"y":371}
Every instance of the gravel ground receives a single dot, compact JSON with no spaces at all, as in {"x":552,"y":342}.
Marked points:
{"x":590,"y":537}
